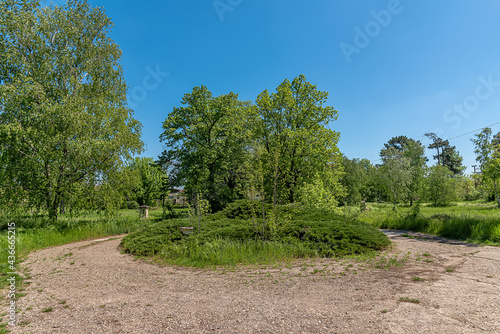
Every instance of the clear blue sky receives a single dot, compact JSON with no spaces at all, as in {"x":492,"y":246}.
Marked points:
{"x":391,"y":67}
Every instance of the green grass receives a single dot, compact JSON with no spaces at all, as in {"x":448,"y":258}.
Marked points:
{"x":35,"y":232}
{"x":228,"y":238}
{"x":409,"y":300}
{"x":472,"y":222}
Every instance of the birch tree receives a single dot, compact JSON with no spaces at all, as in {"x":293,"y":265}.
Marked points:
{"x":63,"y":115}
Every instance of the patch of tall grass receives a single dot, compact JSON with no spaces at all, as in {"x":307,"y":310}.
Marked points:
{"x":226,"y":252}
{"x":476,"y":223}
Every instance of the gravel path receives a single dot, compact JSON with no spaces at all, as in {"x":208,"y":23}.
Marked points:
{"x":90,"y":287}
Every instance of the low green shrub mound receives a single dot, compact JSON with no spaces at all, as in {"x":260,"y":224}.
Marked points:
{"x":229,"y":237}
{"x":243,"y":209}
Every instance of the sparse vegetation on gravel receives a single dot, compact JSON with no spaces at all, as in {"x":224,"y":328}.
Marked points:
{"x":34,"y":232}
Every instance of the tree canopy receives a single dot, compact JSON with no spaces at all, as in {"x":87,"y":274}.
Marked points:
{"x":206,"y":143}
{"x":414,"y":151}
{"x":487,"y":149}
{"x":447,"y":155}
{"x":217,"y":145}
{"x":293,"y":132}
{"x":63,"y":115}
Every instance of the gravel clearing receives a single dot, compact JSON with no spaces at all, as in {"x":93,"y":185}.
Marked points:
{"x":91,"y":287}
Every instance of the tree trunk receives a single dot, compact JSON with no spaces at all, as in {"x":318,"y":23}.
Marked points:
{"x":62,"y":208}
{"x":262,"y":204}
{"x":52,"y":207}
{"x":198,"y":213}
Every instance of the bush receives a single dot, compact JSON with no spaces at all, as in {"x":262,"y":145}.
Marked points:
{"x":473,"y":195}
{"x":132,"y":205}
{"x":244,"y":209}
{"x":309,"y":233}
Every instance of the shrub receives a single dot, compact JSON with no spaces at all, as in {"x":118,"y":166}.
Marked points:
{"x":132,"y":205}
{"x":309,"y":233}
{"x":244,"y":209}
{"x":473,"y":195}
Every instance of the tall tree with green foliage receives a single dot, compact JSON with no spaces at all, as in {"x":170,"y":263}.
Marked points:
{"x":414,"y":150}
{"x":206,"y":143}
{"x":438,"y":144}
{"x":439,"y":186}
{"x":453,"y":160}
{"x":487,"y":149}
{"x":150,"y":181}
{"x":358,"y":180}
{"x":447,"y":155}
{"x":63,"y":115}
{"x":396,"y":174}
{"x":293,"y":131}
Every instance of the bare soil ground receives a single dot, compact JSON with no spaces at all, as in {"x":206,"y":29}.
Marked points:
{"x":91,"y":287}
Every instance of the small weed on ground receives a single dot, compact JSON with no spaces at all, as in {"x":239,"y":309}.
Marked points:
{"x":409,"y":300}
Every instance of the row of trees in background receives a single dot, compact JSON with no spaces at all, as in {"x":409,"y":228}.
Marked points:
{"x":278,"y":149}
{"x":403,"y":175}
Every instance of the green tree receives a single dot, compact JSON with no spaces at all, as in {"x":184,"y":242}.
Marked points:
{"x":396,"y":174}
{"x":453,"y":160}
{"x":322,"y":192}
{"x":447,"y":155}
{"x":292,"y":130}
{"x":150,"y":181}
{"x":438,"y":144}
{"x":487,"y":150}
{"x":465,"y":188}
{"x":63,"y":115}
{"x":439,"y":186}
{"x":206,"y":142}
{"x":358,"y":180}
{"x":414,"y":150}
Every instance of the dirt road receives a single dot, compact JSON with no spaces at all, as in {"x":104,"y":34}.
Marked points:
{"x":419,"y":286}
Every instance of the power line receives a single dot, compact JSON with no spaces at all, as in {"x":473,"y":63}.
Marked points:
{"x":487,"y":126}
